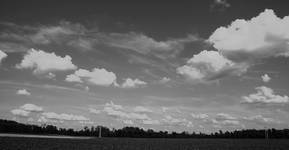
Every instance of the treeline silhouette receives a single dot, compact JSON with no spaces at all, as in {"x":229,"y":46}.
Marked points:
{"x":8,"y":126}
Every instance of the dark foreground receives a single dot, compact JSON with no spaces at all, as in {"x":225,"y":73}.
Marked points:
{"x":23,"y":143}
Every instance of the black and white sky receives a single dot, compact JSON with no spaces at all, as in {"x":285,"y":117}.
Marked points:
{"x":201,"y":65}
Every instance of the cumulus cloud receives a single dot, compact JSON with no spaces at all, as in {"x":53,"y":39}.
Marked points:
{"x":2,"y":55}
{"x":96,"y":76}
{"x":23,"y":92}
{"x":31,"y":108}
{"x":208,"y":66}
{"x":265,"y":35}
{"x":20,"y":112}
{"x":26,"y":109}
{"x":42,"y":62}
{"x":265,"y":95}
{"x":265,"y":78}
{"x":64,"y":116}
{"x":132,"y":83}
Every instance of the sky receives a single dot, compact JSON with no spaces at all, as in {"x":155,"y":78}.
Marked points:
{"x":199,"y":66}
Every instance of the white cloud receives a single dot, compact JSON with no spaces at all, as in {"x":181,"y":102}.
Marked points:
{"x":265,"y":95}
{"x":2,"y":55}
{"x":265,"y":78}
{"x":209,"y":65}
{"x":223,"y":116}
{"x":129,"y":122}
{"x":42,"y":119}
{"x":119,"y":112}
{"x":114,"y":106}
{"x":43,"y":62}
{"x":96,"y":76}
{"x":226,"y":122}
{"x":64,"y":117}
{"x":95,"y":111}
{"x":50,"y":75}
{"x":26,"y":109}
{"x":132,"y":83}
{"x":263,"y":36}
{"x":23,"y":92}
{"x":165,"y":80}
{"x":30,"y":119}
{"x":73,"y":78}
{"x":31,"y":108}
{"x":200,"y":116}
{"x":141,"y":109}
{"x":172,"y":121}
{"x":151,"y":122}
{"x":219,"y":5}
{"x":20,"y":112}
{"x":223,"y":119}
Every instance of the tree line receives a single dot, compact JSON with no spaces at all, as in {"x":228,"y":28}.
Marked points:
{"x":8,"y":126}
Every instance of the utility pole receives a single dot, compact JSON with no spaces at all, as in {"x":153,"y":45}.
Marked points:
{"x":99,"y":132}
{"x":266,"y":133}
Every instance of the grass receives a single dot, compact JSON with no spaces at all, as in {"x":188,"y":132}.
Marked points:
{"x":23,"y":143}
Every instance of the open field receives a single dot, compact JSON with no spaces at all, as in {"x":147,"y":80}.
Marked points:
{"x":33,"y":143}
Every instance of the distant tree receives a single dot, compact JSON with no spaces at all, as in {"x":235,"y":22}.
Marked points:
{"x":7,"y":126}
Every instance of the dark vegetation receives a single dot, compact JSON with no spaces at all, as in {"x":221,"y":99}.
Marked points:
{"x":7,"y":126}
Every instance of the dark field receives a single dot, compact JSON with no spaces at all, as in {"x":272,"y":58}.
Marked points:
{"x":23,"y":143}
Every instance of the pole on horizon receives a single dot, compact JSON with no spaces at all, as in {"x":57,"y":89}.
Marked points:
{"x":266,"y":133}
{"x":99,"y":132}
